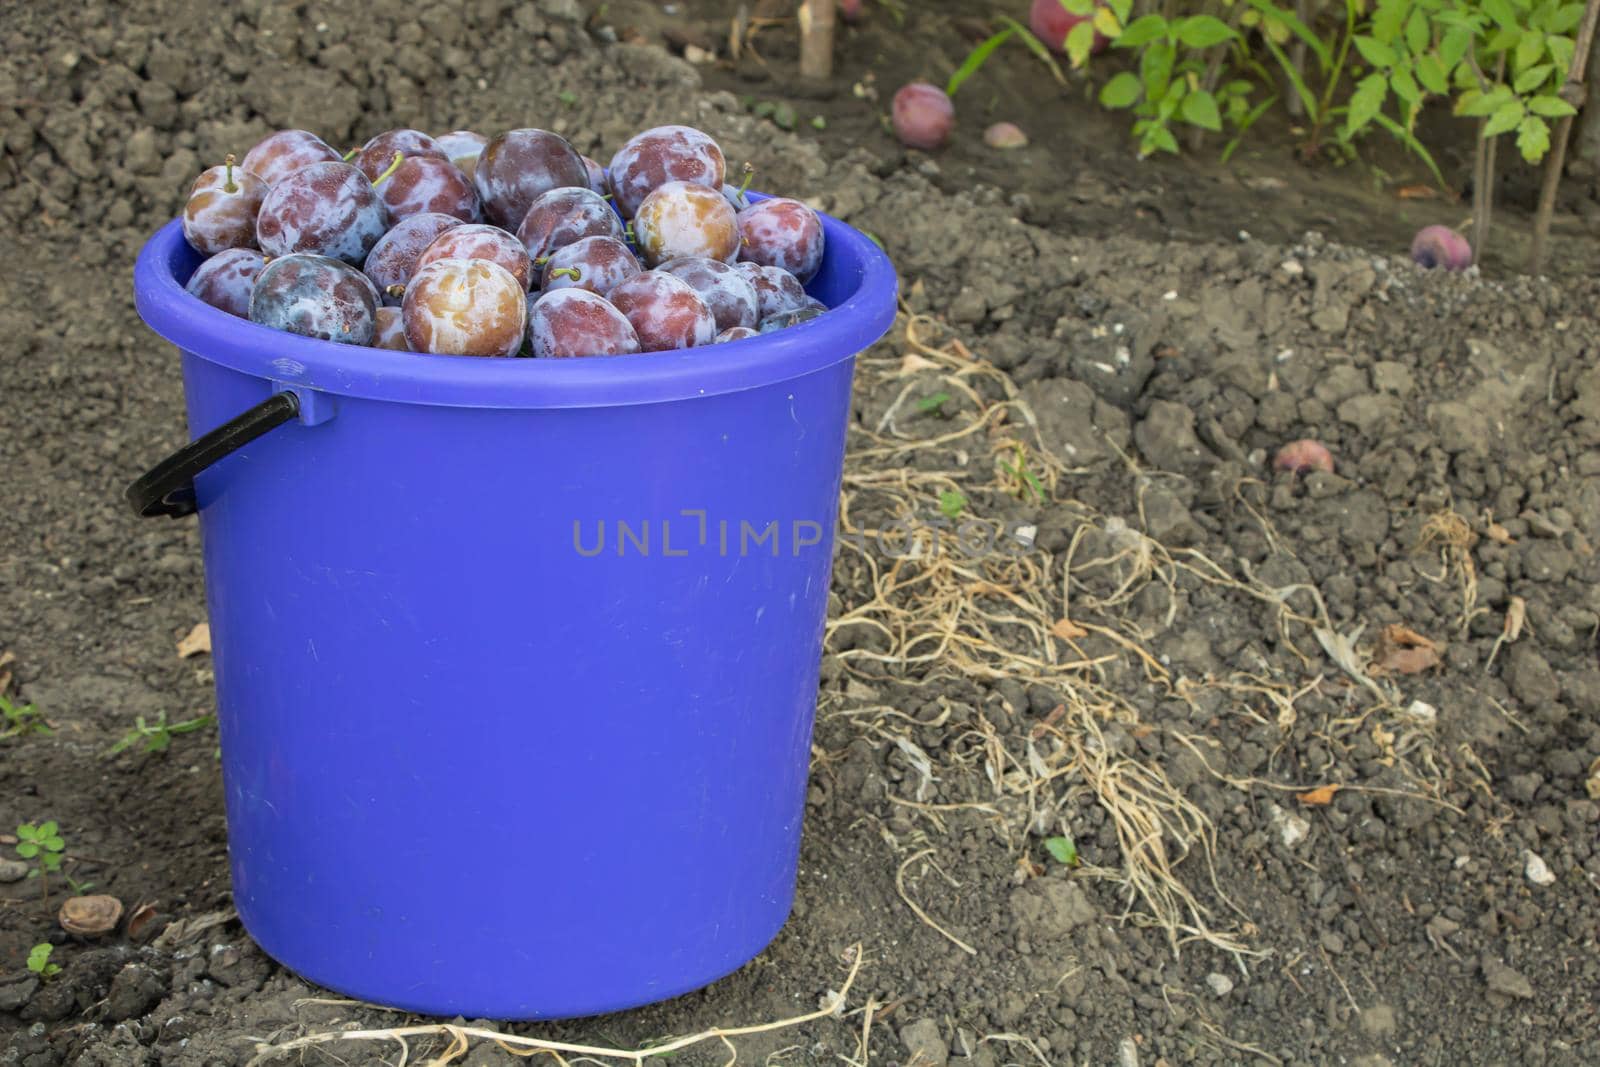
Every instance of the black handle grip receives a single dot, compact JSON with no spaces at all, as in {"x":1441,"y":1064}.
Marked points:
{"x":168,"y":487}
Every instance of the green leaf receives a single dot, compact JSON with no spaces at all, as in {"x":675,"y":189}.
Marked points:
{"x":1386,"y":22}
{"x":1142,"y":30}
{"x":1081,"y":8}
{"x":1453,"y":47}
{"x":1062,"y":849}
{"x":27,"y":850}
{"x":951,"y":503}
{"x":48,"y":829}
{"x":1532,"y":78}
{"x":1155,"y":68}
{"x":1552,"y":107}
{"x":1502,"y":12}
{"x":1502,"y":41}
{"x":1308,"y":99}
{"x":1530,"y":49}
{"x":932,"y":402}
{"x":1365,"y":103}
{"x":51,"y":861}
{"x":1123,"y":9}
{"x":1405,"y":87}
{"x":1561,"y":51}
{"x":1533,"y":138}
{"x":1375,"y":52}
{"x":975,"y":59}
{"x":1417,"y":34}
{"x":1298,"y":28}
{"x":1483,"y":104}
{"x":1079,"y":40}
{"x":1158,"y":137}
{"x":1566,"y":19}
{"x":1506,"y":117}
{"x":1121,"y":91}
{"x":1430,"y":72}
{"x":1034,"y":45}
{"x":1200,"y":109}
{"x":54,"y":844}
{"x":1203,"y":31}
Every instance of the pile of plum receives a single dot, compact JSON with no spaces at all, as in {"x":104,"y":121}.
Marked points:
{"x":462,"y":245}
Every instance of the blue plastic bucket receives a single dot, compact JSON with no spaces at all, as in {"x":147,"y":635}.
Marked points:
{"x":516,"y":660}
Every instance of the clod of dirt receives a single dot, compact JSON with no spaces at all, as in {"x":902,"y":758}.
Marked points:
{"x":925,"y":1046}
{"x":134,"y":991}
{"x":90,"y":916}
{"x":1219,"y":984}
{"x":14,"y":992}
{"x":1505,"y":981}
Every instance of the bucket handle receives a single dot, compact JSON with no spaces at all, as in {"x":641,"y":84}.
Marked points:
{"x":168,"y":487}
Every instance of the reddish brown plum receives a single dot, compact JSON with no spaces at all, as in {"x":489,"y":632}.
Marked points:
{"x":393,"y":259}
{"x":424,"y":183}
{"x":597,"y":176}
{"x":518,"y":167}
{"x":782,"y":233}
{"x":278,"y":155}
{"x":850,"y":11}
{"x":597,"y":264}
{"x":562,"y":216}
{"x":664,"y":154}
{"x":465,"y":307}
{"x":726,"y":291}
{"x":576,"y":322}
{"x":776,"y":289}
{"x":785,"y":319}
{"x":1005,"y":136}
{"x":1051,"y":23}
{"x":462,"y":147}
{"x":225,"y":280}
{"x":377,"y":155}
{"x":328,"y":209}
{"x":1440,"y":246}
{"x":481,"y":242}
{"x":389,"y":330}
{"x":1303,"y":457}
{"x":681,"y":219}
{"x":222,"y":207}
{"x":665,"y":312}
{"x":314,"y":296}
{"x":735,"y":333}
{"x":923,"y":116}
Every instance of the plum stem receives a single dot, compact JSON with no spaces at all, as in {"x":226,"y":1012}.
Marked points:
{"x":348,"y":156}
{"x":395,"y":290}
{"x":567,"y":272}
{"x":399,"y":157}
{"x":227,"y":170}
{"x":749,"y":176}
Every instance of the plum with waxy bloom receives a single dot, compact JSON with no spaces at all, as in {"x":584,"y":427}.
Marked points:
{"x":314,"y":296}
{"x":575,"y":322}
{"x":781,"y":232}
{"x":464,"y":307}
{"x":462,"y":147}
{"x":424,"y":183}
{"x":598,"y":264}
{"x":665,"y":154}
{"x":518,"y":167}
{"x":389,"y":330}
{"x":222,"y":208}
{"x":776,"y":289}
{"x":726,"y":291}
{"x":481,"y":242}
{"x":226,"y":280}
{"x":376,"y":157}
{"x":328,"y":209}
{"x":278,"y":155}
{"x":664,"y":311}
{"x":923,"y":116}
{"x":683,"y":219}
{"x":393,"y":259}
{"x":564,"y":216}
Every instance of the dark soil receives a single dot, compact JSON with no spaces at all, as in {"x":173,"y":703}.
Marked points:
{"x":1098,"y":322}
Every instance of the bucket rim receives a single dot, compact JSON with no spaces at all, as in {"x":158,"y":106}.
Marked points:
{"x":226,"y":340}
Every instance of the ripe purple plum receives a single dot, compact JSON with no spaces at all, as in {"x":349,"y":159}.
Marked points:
{"x":278,"y":155}
{"x":562,"y":216}
{"x":776,"y":289}
{"x":576,"y":322}
{"x":598,"y":264}
{"x":665,"y":312}
{"x":481,"y":242}
{"x":785,"y":319}
{"x":393,"y":260}
{"x":376,"y":157}
{"x":782,"y":233}
{"x":389,"y":330}
{"x":315,"y":296}
{"x":222,"y":207}
{"x":426,"y":183}
{"x":1303,"y":457}
{"x":597,"y":176}
{"x":328,"y":209}
{"x":1440,"y":246}
{"x":735,"y":333}
{"x":465,"y":307}
{"x":681,"y":219}
{"x":462,"y":147}
{"x":1051,"y":23}
{"x":727,"y":292}
{"x":518,"y":167}
{"x":225,"y":280}
{"x":923,"y":116}
{"x":665,"y":154}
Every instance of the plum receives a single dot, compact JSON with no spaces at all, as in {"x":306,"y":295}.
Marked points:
{"x":661,"y":155}
{"x":597,"y":176}
{"x":776,"y":289}
{"x":665,"y":312}
{"x":315,"y":296}
{"x":923,"y":116}
{"x":680,"y":219}
{"x":850,"y":11}
{"x":598,"y":264}
{"x":562,"y":216}
{"x":464,"y":307}
{"x":518,"y":167}
{"x":278,"y":155}
{"x":1303,"y":457}
{"x":784,"y":319}
{"x":481,"y":242}
{"x":727,"y":292}
{"x":222,"y":207}
{"x":389,"y":330}
{"x":735,"y":333}
{"x":226,"y":279}
{"x":462,"y":147}
{"x":782,"y":233}
{"x":328,"y":209}
{"x":1440,"y":246}
{"x":393,"y":259}
{"x":1005,"y":136}
{"x":376,"y":157}
{"x":576,"y":322}
{"x":426,"y":183}
{"x":1051,"y":23}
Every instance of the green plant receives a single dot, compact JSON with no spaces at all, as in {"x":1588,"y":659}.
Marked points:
{"x":933,"y":403}
{"x":1063,"y":849}
{"x":22,"y":721}
{"x":157,"y":736}
{"x":951,"y":504}
{"x":1027,"y":481}
{"x":45,"y":845}
{"x":78,"y":888}
{"x":39,"y":961}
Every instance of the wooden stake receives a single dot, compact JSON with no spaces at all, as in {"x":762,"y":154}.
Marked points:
{"x":816,"y":39}
{"x":1572,"y":92}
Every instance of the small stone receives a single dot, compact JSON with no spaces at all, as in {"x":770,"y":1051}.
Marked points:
{"x":1378,"y":1022}
{"x":1422,"y":712}
{"x":924,"y":1044}
{"x":13,"y":870}
{"x":1536,"y":869}
{"x":1292,"y":829}
{"x":1219,"y":983}
{"x":1505,"y":981}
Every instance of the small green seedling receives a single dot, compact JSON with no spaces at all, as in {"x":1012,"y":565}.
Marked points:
{"x":568,"y":97}
{"x":157,"y":736}
{"x":39,"y":961}
{"x":19,"y":722}
{"x":44,"y":845}
{"x":818,"y":122}
{"x":1027,"y":481}
{"x":78,"y":888}
{"x":951,"y":504}
{"x":933,"y":405}
{"x":1063,"y":850}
